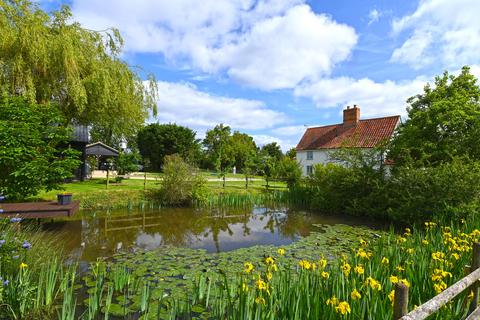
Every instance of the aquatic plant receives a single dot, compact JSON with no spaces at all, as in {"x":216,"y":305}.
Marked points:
{"x":358,"y":285}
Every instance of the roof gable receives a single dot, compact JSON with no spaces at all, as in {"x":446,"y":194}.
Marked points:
{"x":100,"y":149}
{"x":366,"y":133}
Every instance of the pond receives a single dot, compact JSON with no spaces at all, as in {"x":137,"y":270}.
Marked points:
{"x":102,"y":234}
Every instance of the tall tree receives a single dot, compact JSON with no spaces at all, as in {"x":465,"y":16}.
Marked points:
{"x":48,"y":58}
{"x":216,"y":144}
{"x":292,"y":153}
{"x":273,"y":150}
{"x":442,"y":123}
{"x":243,"y":148}
{"x":155,"y":141}
{"x":32,"y":149}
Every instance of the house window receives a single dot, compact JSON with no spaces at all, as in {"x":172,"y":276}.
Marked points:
{"x":309,"y":170}
{"x":309,"y":155}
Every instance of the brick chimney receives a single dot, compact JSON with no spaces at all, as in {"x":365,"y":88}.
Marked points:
{"x":351,"y":116}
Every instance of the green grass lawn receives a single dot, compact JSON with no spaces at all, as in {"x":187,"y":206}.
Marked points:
{"x":207,"y":174}
{"x":96,"y":185}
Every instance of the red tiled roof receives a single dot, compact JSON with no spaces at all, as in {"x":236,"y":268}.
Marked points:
{"x":366,"y":133}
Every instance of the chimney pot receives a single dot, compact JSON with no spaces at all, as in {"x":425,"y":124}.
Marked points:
{"x":351,"y":116}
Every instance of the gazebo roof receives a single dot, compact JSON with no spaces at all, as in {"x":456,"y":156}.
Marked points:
{"x":100,"y":149}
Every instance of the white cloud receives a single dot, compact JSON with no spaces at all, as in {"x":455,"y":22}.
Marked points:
{"x":373,"y":16}
{"x":285,"y":144}
{"x":374,"y":98}
{"x":268,"y":44}
{"x":289,"y":131}
{"x":440,"y":31}
{"x":184,"y":104}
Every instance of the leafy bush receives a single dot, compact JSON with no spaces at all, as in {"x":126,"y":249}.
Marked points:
{"x":33,"y":155}
{"x":450,"y":190}
{"x":181,"y":183}
{"x":289,"y":171}
{"x":127,"y":162}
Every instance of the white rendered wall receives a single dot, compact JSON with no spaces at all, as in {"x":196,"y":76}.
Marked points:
{"x":319,"y":156}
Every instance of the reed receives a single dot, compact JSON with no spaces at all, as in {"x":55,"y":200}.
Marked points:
{"x":358,"y":285}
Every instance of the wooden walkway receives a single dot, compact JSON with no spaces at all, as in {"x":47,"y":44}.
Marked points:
{"x":37,"y":210}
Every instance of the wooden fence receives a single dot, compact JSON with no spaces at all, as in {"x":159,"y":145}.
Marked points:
{"x":400,"y":304}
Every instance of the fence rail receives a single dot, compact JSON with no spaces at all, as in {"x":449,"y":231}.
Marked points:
{"x":400,"y":304}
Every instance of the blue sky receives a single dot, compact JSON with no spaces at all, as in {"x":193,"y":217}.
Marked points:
{"x":272,"y":67}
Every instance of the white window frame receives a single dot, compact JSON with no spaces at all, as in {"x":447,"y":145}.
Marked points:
{"x":309,"y":170}
{"x":309,"y":155}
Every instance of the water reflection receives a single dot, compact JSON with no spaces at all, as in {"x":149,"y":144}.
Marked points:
{"x":216,"y":231}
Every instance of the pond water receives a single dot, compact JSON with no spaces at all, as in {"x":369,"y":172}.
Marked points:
{"x":94,"y":235}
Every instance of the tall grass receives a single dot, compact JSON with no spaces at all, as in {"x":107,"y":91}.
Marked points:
{"x":31,"y":275}
{"x":358,"y":285}
{"x":245,"y":200}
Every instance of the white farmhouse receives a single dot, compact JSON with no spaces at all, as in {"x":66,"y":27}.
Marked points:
{"x":318,"y":142}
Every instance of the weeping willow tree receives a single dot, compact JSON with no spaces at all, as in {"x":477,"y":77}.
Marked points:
{"x":51,"y":58}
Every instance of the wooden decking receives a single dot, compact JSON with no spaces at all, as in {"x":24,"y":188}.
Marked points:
{"x":37,"y":210}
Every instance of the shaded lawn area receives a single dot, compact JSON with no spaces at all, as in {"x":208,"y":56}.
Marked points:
{"x":97,"y":185}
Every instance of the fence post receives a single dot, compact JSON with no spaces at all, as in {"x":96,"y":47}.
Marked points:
{"x":475,"y":266}
{"x":400,"y":301}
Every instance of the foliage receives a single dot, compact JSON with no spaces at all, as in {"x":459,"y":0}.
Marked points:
{"x":48,"y":58}
{"x":267,"y":167}
{"x":358,"y":285}
{"x":292,"y":153}
{"x":156,"y":141}
{"x":216,"y":148}
{"x":449,"y":190}
{"x":361,"y":187}
{"x":33,"y":152}
{"x":181,"y":183}
{"x":443,"y":122}
{"x":273,"y":150}
{"x":127,"y":162}
{"x":29,"y":284}
{"x":242,"y":149}
{"x":356,"y":282}
{"x":289,"y":171}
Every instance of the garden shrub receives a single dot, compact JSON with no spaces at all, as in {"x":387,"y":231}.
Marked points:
{"x":450,"y":189}
{"x":408,"y":194}
{"x":181,"y":183}
{"x":289,"y":171}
